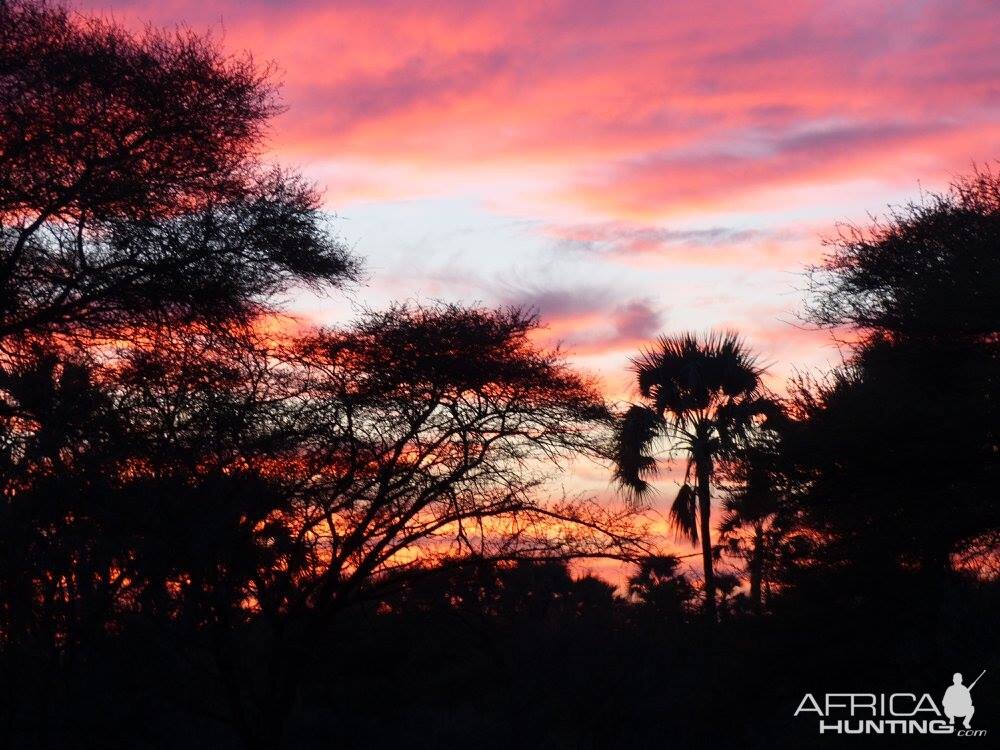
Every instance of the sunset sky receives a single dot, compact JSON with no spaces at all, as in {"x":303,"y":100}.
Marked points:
{"x":627,"y":168}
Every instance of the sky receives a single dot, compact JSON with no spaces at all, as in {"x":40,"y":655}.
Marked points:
{"x":625,"y":168}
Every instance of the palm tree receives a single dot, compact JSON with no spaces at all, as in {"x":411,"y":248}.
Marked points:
{"x":661,"y":587}
{"x":702,"y":398}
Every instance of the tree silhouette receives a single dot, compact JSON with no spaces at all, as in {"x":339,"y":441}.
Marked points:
{"x":436,"y":418}
{"x":661,"y":588}
{"x":281,"y":484}
{"x":133,"y":207}
{"x":759,"y":514}
{"x":920,"y":290}
{"x":704,"y":397}
{"x":130,"y":181}
{"x":926,"y":272}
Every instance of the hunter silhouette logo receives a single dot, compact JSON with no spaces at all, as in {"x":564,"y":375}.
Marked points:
{"x":895,"y":713}
{"x":957,"y":700}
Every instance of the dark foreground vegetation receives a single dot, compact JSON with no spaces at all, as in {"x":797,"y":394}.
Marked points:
{"x":214,"y":535}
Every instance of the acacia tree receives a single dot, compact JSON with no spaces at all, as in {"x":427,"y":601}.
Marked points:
{"x":132,"y":198}
{"x":455,"y":413}
{"x":281,"y":485}
{"x":131,"y":183}
{"x":703,"y":398}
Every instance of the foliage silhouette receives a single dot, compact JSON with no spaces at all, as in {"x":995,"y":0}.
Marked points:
{"x":661,"y":589}
{"x":258,"y":489}
{"x":926,"y":272}
{"x":705,"y":398}
{"x":920,"y":292}
{"x":131,"y":185}
{"x":759,"y":521}
{"x":217,"y":535}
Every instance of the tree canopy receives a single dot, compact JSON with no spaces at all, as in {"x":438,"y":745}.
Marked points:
{"x":131,"y":182}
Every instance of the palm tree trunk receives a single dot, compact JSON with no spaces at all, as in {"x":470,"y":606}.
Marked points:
{"x":757,"y":571}
{"x":703,"y":469}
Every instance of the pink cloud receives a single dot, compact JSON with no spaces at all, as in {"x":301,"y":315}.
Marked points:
{"x":616,"y":127}
{"x":671,"y":183}
{"x":629,"y":109}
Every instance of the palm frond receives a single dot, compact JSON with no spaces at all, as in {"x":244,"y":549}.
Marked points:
{"x":731,"y":520}
{"x":687,"y":372}
{"x":738,"y":371}
{"x":647,"y":369}
{"x":637,"y":431}
{"x":683,"y":514}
